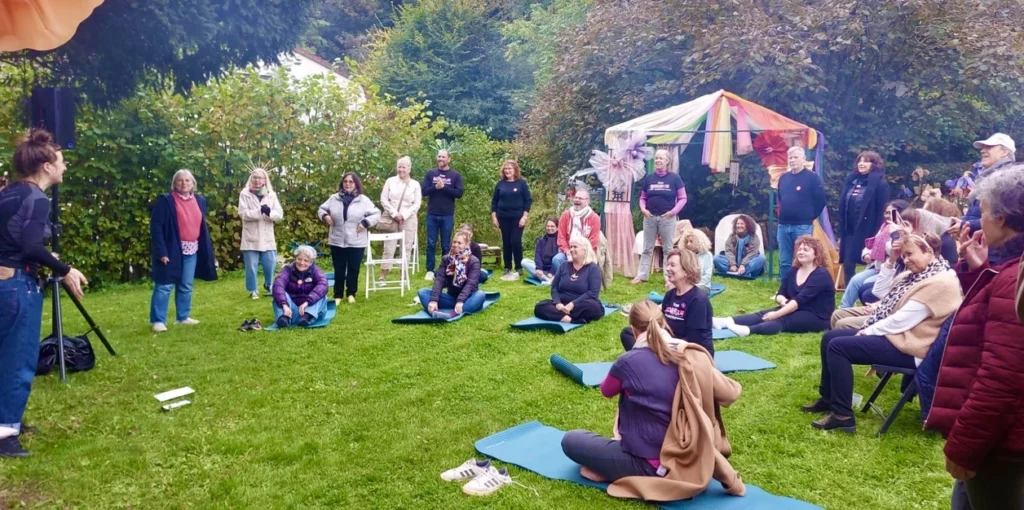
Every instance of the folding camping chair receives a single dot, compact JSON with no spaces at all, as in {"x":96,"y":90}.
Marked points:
{"x":908,"y":394}
{"x":372,"y":283}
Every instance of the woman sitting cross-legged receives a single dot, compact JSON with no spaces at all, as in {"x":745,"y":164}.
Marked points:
{"x":575,"y":291}
{"x":742,"y":251}
{"x":686,"y":308}
{"x":541,"y":266}
{"x":456,"y":284}
{"x":658,"y":454}
{"x":898,"y":333}
{"x":806,"y":298}
{"x":300,"y":291}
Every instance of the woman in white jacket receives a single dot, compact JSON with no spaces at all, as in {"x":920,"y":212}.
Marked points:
{"x":259,"y":209}
{"x":400,"y":199}
{"x":349,"y":213}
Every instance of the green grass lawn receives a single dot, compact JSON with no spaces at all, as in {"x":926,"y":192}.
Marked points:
{"x":366,"y":414}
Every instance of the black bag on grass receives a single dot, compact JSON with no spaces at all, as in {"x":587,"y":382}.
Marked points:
{"x":78,"y":354}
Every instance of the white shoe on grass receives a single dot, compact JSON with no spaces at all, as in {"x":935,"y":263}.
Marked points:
{"x":488,"y":482}
{"x":429,"y":276}
{"x":351,"y":299}
{"x":721,"y":322}
{"x":254,"y":295}
{"x":466,"y":471}
{"x":159,"y":327}
{"x":187,"y":322}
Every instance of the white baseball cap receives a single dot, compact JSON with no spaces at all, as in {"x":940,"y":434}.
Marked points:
{"x":997,"y":139}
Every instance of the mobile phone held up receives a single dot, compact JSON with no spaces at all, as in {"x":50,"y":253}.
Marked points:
{"x":894,"y":217}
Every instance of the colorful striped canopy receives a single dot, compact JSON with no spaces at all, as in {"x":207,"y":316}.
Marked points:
{"x":676,"y":125}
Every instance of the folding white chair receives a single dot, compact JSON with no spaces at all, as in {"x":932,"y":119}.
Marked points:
{"x":373,"y":264}
{"x":414,"y":264}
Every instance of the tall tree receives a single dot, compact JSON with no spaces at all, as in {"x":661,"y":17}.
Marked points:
{"x":450,"y":52}
{"x":126,"y":43}
{"x":341,"y":28}
{"x":914,"y":79}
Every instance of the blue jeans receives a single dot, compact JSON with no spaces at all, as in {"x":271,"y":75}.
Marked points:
{"x":787,"y":236}
{"x":21,"y":316}
{"x":318,"y":310}
{"x":753,"y":269}
{"x":267,"y":259}
{"x":854,"y":285}
{"x":446,"y":301}
{"x":182,"y":293}
{"x":438,"y":225}
{"x":557,"y":261}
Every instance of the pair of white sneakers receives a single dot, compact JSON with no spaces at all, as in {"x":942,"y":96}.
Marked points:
{"x":484,"y":479}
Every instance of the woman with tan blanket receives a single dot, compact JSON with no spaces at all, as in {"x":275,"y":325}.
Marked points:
{"x":669,"y":439}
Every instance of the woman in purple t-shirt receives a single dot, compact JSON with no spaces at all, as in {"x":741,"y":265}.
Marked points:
{"x":645,"y":379}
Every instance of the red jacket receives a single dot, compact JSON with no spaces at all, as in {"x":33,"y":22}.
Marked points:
{"x":979,"y":395}
{"x":591,"y":224}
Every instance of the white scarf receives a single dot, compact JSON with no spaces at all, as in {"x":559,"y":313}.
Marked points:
{"x":577,"y":221}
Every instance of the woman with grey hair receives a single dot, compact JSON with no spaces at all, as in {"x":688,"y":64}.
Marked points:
{"x":663,"y":196}
{"x":980,"y":384}
{"x":259,"y":210}
{"x":182,"y":250}
{"x":400,"y":199}
{"x":300,"y":291}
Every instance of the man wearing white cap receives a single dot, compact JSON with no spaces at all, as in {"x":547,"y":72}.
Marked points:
{"x":996,"y":152}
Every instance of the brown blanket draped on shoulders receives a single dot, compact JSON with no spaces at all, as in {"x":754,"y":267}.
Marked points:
{"x":695,"y":445}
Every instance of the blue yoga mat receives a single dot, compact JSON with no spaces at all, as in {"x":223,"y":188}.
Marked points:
{"x":537,"y":447}
{"x":591,"y":374}
{"x":422,"y":317}
{"x":532,"y":280}
{"x":533,"y":323}
{"x":332,"y":310}
{"x":722,"y":334}
{"x":737,"y":276}
{"x":716,"y":289}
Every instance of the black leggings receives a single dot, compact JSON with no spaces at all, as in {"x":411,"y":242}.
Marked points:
{"x":346,"y":270}
{"x":583,"y":312}
{"x":511,"y":242}
{"x":796,"y":322}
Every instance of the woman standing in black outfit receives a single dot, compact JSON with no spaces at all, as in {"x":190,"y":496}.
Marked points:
{"x":861,"y":208}
{"x":24,"y":229}
{"x":510,"y":208}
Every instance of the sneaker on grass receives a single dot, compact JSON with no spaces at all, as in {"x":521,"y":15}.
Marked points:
{"x":429,"y":276}
{"x":187,"y":322}
{"x":467,"y":470}
{"x":488,"y":482}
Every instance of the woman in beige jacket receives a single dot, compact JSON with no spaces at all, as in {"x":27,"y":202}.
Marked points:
{"x":400,"y":200}
{"x":259,"y":209}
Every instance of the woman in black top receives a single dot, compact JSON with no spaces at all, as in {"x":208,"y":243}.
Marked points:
{"x":510,"y":208}
{"x":806,"y":298}
{"x":686,"y":307}
{"x":24,"y":229}
{"x":575,"y":291}
{"x":861,"y":209}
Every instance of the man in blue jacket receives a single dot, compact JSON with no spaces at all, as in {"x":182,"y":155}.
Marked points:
{"x":996,"y":152}
{"x":801,"y":200}
{"x":441,"y":187}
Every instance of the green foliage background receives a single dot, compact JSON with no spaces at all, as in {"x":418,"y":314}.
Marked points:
{"x":310,"y":132}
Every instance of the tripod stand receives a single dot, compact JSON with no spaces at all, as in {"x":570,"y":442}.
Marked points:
{"x":56,"y":283}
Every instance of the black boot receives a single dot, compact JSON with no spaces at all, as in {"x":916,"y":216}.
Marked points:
{"x":831,"y":422}
{"x":819,"y":406}
{"x":282,"y":322}
{"x":306,"y":320}
{"x":11,"y":447}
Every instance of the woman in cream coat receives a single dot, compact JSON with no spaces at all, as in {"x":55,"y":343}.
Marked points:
{"x":400,"y":200}
{"x":260,"y":210}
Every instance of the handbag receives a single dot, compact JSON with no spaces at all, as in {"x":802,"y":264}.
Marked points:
{"x":386,"y":223}
{"x":78,"y":354}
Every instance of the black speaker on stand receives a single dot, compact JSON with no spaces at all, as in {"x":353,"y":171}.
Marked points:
{"x":53,"y":109}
